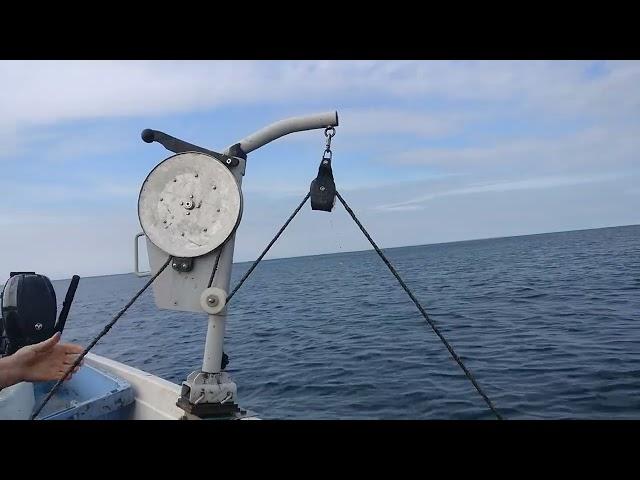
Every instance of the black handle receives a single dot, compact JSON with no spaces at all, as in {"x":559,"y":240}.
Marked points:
{"x":176,"y":145}
{"x":66,"y":305}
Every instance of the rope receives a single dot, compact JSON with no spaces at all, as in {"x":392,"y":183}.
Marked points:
{"x":422,"y":310}
{"x":104,"y":331}
{"x":255,"y":264}
{"x":151,"y":280}
{"x":215,"y":265}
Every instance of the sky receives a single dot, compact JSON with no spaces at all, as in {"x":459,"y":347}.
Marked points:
{"x":426,"y":151}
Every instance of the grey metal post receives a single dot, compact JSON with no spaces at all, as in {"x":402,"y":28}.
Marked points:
{"x":216,"y":324}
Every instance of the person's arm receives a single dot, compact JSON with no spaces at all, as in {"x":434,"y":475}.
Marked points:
{"x":9,"y":374}
{"x":44,"y":361}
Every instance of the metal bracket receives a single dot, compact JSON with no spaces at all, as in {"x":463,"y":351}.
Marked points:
{"x":176,"y":145}
{"x":323,"y":188}
{"x":180,"y":264}
{"x":136,"y":263}
{"x":209,"y":395}
{"x":210,"y":410}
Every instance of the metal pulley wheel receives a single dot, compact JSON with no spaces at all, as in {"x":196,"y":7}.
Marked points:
{"x":189,"y":204}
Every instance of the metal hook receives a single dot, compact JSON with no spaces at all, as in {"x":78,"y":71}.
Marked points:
{"x":329,"y":132}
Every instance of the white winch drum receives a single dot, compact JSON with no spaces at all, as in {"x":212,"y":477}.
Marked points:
{"x":189,"y":204}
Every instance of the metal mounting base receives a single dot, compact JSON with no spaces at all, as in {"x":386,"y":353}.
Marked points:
{"x":211,"y":410}
{"x":209,"y":395}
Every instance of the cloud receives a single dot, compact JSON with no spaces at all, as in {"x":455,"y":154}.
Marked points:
{"x":62,"y":245}
{"x":417,"y":203}
{"x":45,"y":92}
{"x":67,"y":243}
{"x":601,"y":147}
{"x":376,"y":121}
{"x":511,"y":147}
{"x":80,"y":195}
{"x":502,"y":209}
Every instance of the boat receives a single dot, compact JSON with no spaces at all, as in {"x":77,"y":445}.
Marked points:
{"x":189,"y":207}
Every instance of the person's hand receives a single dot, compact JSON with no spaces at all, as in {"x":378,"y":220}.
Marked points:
{"x":45,"y":361}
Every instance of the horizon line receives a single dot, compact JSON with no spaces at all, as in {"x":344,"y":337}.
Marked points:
{"x":391,"y":248}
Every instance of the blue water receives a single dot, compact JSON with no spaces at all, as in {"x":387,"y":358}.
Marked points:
{"x":549,"y":324}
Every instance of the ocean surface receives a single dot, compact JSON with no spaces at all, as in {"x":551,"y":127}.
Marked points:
{"x":549,"y":325}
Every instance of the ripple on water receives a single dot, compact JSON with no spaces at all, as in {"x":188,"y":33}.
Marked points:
{"x":549,"y":324}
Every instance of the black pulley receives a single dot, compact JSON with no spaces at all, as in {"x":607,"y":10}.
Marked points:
{"x":323,"y":187}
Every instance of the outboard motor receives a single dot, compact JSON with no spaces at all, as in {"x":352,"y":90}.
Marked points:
{"x":29,"y":310}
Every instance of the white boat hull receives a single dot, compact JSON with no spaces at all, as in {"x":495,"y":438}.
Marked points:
{"x":155,"y":397}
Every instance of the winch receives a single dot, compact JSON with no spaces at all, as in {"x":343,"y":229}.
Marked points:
{"x":189,"y":207}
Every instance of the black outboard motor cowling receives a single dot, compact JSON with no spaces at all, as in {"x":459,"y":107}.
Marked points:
{"x":28,"y":311}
